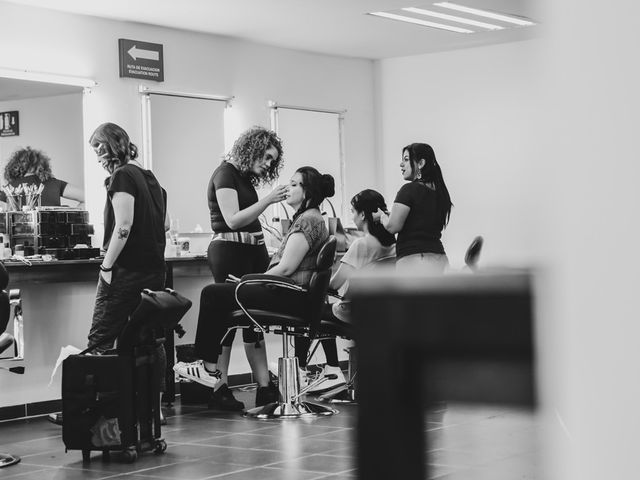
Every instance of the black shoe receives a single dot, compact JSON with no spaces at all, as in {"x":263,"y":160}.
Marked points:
{"x":223,"y":399}
{"x":266,"y":395}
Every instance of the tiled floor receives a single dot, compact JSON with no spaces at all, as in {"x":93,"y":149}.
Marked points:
{"x":465,"y":444}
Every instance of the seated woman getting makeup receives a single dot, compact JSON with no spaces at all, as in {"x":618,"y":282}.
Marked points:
{"x":295,"y":258}
{"x":376,"y":244}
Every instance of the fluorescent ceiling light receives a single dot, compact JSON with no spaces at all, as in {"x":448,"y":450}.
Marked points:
{"x":46,"y":77}
{"x":417,"y":21}
{"x":453,"y":18}
{"x":484,"y":13}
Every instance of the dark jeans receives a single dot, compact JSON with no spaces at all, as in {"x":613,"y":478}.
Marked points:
{"x":329,"y":345}
{"x":237,"y":259}
{"x":115,"y":302}
{"x":217,"y":301}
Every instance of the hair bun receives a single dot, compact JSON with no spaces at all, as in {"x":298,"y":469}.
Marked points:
{"x":328,"y":185}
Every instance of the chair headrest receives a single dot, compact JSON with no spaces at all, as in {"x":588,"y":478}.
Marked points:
{"x":473,"y":252}
{"x":327,"y":254}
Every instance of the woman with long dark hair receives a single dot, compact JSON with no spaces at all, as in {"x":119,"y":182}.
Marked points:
{"x":420,"y":212}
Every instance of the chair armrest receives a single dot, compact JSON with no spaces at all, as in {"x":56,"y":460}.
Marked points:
{"x":266,"y":280}
{"x":269,"y":280}
{"x":264,"y":276}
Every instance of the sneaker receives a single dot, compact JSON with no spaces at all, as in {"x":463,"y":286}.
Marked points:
{"x":197,"y":373}
{"x":329,"y":383}
{"x":268,"y":394}
{"x":223,"y":399}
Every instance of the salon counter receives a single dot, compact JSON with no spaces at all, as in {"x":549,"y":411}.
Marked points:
{"x":37,"y":271}
{"x":57,"y":299}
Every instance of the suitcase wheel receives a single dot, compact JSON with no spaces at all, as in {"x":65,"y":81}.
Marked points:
{"x":130,"y":455}
{"x":160,"y":446}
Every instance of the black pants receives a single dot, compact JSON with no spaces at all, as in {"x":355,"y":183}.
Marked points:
{"x":217,"y":301}
{"x":115,"y":302}
{"x":329,"y":345}
{"x":237,"y":259}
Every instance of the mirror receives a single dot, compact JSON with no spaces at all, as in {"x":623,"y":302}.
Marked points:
{"x":50,"y":117}
{"x":11,"y":326}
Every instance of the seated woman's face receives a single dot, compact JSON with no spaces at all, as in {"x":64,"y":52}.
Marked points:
{"x":296,"y":191}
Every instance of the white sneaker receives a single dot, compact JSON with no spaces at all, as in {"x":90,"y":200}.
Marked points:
{"x":196,"y":372}
{"x":329,"y":383}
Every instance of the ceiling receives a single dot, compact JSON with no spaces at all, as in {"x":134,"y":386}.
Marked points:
{"x":334,"y":27}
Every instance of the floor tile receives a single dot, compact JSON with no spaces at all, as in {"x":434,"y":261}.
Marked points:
{"x":464,"y":443}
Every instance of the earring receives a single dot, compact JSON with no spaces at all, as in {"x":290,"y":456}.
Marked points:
{"x":418,"y":175}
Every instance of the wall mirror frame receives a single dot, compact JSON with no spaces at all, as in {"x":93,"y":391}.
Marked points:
{"x":51,"y":111}
{"x":21,"y":87}
{"x":182,"y":134}
{"x":326,"y":126}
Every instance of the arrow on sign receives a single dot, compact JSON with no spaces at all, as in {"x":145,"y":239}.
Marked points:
{"x":136,"y":53}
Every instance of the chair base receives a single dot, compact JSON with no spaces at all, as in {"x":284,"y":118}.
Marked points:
{"x":6,"y":459}
{"x":282,"y":410}
{"x":343,"y":394}
{"x":289,"y":404}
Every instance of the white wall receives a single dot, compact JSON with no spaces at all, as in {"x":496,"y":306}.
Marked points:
{"x":474,"y":108}
{"x":538,"y":143}
{"x":53,"y":125}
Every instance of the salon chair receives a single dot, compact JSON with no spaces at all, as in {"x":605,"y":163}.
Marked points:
{"x":335,"y":328}
{"x":306,"y":324}
{"x":7,"y":300}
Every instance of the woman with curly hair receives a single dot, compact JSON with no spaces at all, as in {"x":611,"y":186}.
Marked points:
{"x":238,"y":247}
{"x":33,"y":167}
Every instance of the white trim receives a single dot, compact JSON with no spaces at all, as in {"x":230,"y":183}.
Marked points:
{"x":143,"y":89}
{"x":47,"y":77}
{"x":274,"y":106}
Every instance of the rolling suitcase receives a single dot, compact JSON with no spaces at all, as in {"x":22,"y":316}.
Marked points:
{"x":112,"y":401}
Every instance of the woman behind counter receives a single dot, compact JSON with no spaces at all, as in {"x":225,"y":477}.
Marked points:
{"x":33,"y":167}
{"x":238,"y":245}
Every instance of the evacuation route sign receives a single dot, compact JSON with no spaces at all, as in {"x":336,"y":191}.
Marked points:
{"x":141,"y":60}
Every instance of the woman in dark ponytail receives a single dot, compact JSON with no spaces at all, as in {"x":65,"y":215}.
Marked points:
{"x":377,"y":243}
{"x":420,"y":211}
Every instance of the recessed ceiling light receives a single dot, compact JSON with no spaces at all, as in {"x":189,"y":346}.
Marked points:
{"x":424,"y":23}
{"x":484,"y":13}
{"x":453,"y":18}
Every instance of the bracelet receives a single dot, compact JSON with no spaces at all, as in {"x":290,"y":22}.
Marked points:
{"x":105,"y":269}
